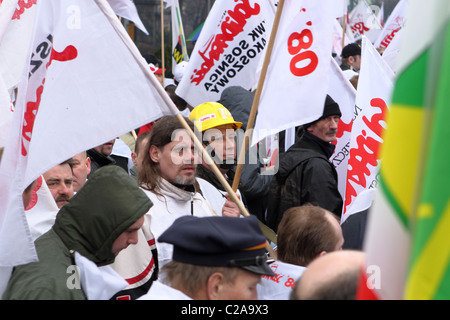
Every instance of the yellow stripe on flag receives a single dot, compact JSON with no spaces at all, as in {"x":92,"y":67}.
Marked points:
{"x":426,"y":274}
{"x":400,"y":153}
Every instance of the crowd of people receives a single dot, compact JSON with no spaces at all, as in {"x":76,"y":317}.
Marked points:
{"x":166,"y":228}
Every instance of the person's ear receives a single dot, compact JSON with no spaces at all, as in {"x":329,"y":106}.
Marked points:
{"x":351,"y":60}
{"x":88,"y":164}
{"x":155,"y":153}
{"x":133,"y":157}
{"x":215,"y":286}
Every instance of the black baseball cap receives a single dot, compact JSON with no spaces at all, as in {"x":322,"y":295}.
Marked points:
{"x":352,"y":49}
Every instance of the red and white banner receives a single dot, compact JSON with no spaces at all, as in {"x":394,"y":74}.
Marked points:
{"x":74,"y":95}
{"x":227,"y":52}
{"x":341,"y":90}
{"x":295,"y":86}
{"x":393,"y":25}
{"x":372,"y":106}
{"x":364,"y":21}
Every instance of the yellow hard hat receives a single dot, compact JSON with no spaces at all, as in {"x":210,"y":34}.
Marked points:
{"x":212,"y":114}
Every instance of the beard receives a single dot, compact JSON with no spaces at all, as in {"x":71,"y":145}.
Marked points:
{"x":184,"y":180}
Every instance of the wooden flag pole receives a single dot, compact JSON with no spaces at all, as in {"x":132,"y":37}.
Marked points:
{"x":162,"y":42}
{"x":254,"y":109}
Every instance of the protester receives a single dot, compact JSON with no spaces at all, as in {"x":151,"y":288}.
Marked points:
{"x":179,"y":71}
{"x":59,"y":180}
{"x":304,"y":234}
{"x":218,"y":127}
{"x":138,"y":264}
{"x":137,"y":155}
{"x":158,"y":72}
{"x":351,"y":57}
{"x":101,"y":220}
{"x":333,"y":276}
{"x":81,"y":168}
{"x":101,"y":156}
{"x":168,"y":178}
{"x":182,"y":105}
{"x":354,"y":230}
{"x":253,"y":183}
{"x":305,"y":173}
{"x":212,"y":265}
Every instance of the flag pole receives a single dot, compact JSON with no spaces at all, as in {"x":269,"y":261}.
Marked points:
{"x":162,"y":41}
{"x":254,"y":109}
{"x":344,"y":27}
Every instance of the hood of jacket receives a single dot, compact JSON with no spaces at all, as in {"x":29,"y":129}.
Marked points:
{"x":239,"y":102}
{"x":107,"y":205}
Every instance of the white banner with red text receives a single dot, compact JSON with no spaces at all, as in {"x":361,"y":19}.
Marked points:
{"x":227,"y":53}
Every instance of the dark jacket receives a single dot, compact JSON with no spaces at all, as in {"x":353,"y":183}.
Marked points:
{"x":305,"y":175}
{"x":107,"y":205}
{"x":99,"y":160}
{"x":253,"y":185}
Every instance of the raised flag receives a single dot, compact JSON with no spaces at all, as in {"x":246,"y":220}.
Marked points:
{"x":296,"y":83}
{"x":341,"y":90}
{"x":228,"y":50}
{"x":74,"y":95}
{"x":393,"y":25}
{"x":408,"y":228}
{"x":363,"y":21}
{"x":179,"y":49}
{"x":372,"y":106}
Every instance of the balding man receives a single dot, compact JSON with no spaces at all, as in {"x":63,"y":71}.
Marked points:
{"x":333,"y":276}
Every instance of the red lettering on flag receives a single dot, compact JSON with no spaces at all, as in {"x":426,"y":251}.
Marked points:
{"x":296,"y":43}
{"x":22,"y":5}
{"x":367,"y":151}
{"x":230,"y":27}
{"x":69,"y":53}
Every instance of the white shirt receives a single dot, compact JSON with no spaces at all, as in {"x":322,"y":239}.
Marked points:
{"x":173,"y":204}
{"x":280,"y":286}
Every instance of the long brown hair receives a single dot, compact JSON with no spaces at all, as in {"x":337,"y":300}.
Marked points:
{"x":161,"y":135}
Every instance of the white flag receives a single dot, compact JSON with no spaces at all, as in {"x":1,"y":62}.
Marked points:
{"x":296,"y":83}
{"x":227,"y":52}
{"x":373,"y":99}
{"x":179,"y":50}
{"x":127,"y":10}
{"x":341,"y":90}
{"x":86,"y":83}
{"x":393,"y":25}
{"x":16,"y":23}
{"x":363,"y":21}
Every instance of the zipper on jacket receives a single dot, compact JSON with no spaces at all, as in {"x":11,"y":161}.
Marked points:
{"x":192,"y":205}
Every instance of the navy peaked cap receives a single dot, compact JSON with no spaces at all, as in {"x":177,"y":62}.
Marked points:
{"x":219,"y":241}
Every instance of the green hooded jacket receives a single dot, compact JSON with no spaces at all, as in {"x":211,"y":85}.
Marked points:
{"x":107,"y":205}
